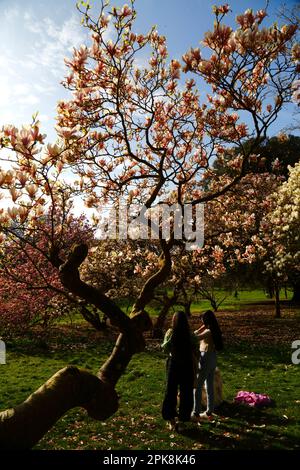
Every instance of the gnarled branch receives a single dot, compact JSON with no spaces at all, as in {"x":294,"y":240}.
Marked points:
{"x":23,"y":426}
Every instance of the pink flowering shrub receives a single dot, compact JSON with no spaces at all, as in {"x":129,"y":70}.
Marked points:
{"x":31,"y":292}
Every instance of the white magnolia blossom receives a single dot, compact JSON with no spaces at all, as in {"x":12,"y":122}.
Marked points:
{"x":284,"y":225}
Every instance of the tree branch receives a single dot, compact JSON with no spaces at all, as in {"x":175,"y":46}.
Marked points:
{"x":23,"y":426}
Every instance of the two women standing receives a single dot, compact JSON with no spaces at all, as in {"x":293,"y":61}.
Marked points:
{"x":183,"y":349}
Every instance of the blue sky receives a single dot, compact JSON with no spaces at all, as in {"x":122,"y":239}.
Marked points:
{"x":35,"y":36}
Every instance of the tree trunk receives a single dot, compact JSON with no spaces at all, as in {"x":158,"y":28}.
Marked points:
{"x":23,"y":426}
{"x":187,"y":308}
{"x":158,"y":327}
{"x":296,"y":293}
{"x":93,"y":318}
{"x":277,"y":301}
{"x":126,"y":346}
{"x":147,"y":292}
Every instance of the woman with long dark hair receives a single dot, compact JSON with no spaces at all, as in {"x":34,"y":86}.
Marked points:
{"x":178,"y":342}
{"x":211,"y":341}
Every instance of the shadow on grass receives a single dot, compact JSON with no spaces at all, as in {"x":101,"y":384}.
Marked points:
{"x":62,"y":343}
{"x":247,"y":414}
{"x":242,"y":427}
{"x":249,"y":356}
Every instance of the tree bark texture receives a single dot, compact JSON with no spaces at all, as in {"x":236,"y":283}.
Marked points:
{"x":296,"y":292}
{"x":277,"y":301}
{"x":23,"y":426}
{"x":159,"y":325}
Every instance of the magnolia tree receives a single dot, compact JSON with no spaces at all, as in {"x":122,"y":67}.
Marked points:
{"x":274,"y":155}
{"x":26,"y":299}
{"x":30,"y":289}
{"x":139,"y":133}
{"x":280,"y":233}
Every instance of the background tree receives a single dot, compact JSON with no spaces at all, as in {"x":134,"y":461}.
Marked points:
{"x":280,"y":233}
{"x":232,"y":244}
{"x":272,"y":155}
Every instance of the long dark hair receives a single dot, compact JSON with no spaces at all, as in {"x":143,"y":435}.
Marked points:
{"x":181,"y":344}
{"x":210,"y":321}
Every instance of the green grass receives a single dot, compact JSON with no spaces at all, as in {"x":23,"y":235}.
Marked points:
{"x":241,"y":301}
{"x":138,"y":423}
{"x":231,"y":303}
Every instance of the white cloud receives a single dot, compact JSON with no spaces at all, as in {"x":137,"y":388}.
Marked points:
{"x":44,"y":88}
{"x":44,"y":118}
{"x":29,"y":100}
{"x":69,"y":34}
{"x":21,"y":89}
{"x":32,"y":62}
{"x":7,"y":116}
{"x":54,"y":41}
{"x":17,"y":94}
{"x":4,"y":92}
{"x":10,"y":14}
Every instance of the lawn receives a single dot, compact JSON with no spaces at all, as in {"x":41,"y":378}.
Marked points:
{"x":231,"y":302}
{"x":257,"y":358}
{"x":241,"y":300}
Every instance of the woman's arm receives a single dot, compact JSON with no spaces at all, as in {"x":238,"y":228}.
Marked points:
{"x":202,"y":333}
{"x":200,"y":330}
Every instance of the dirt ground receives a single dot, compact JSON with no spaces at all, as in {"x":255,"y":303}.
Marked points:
{"x":258,"y":325}
{"x":255,"y":324}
